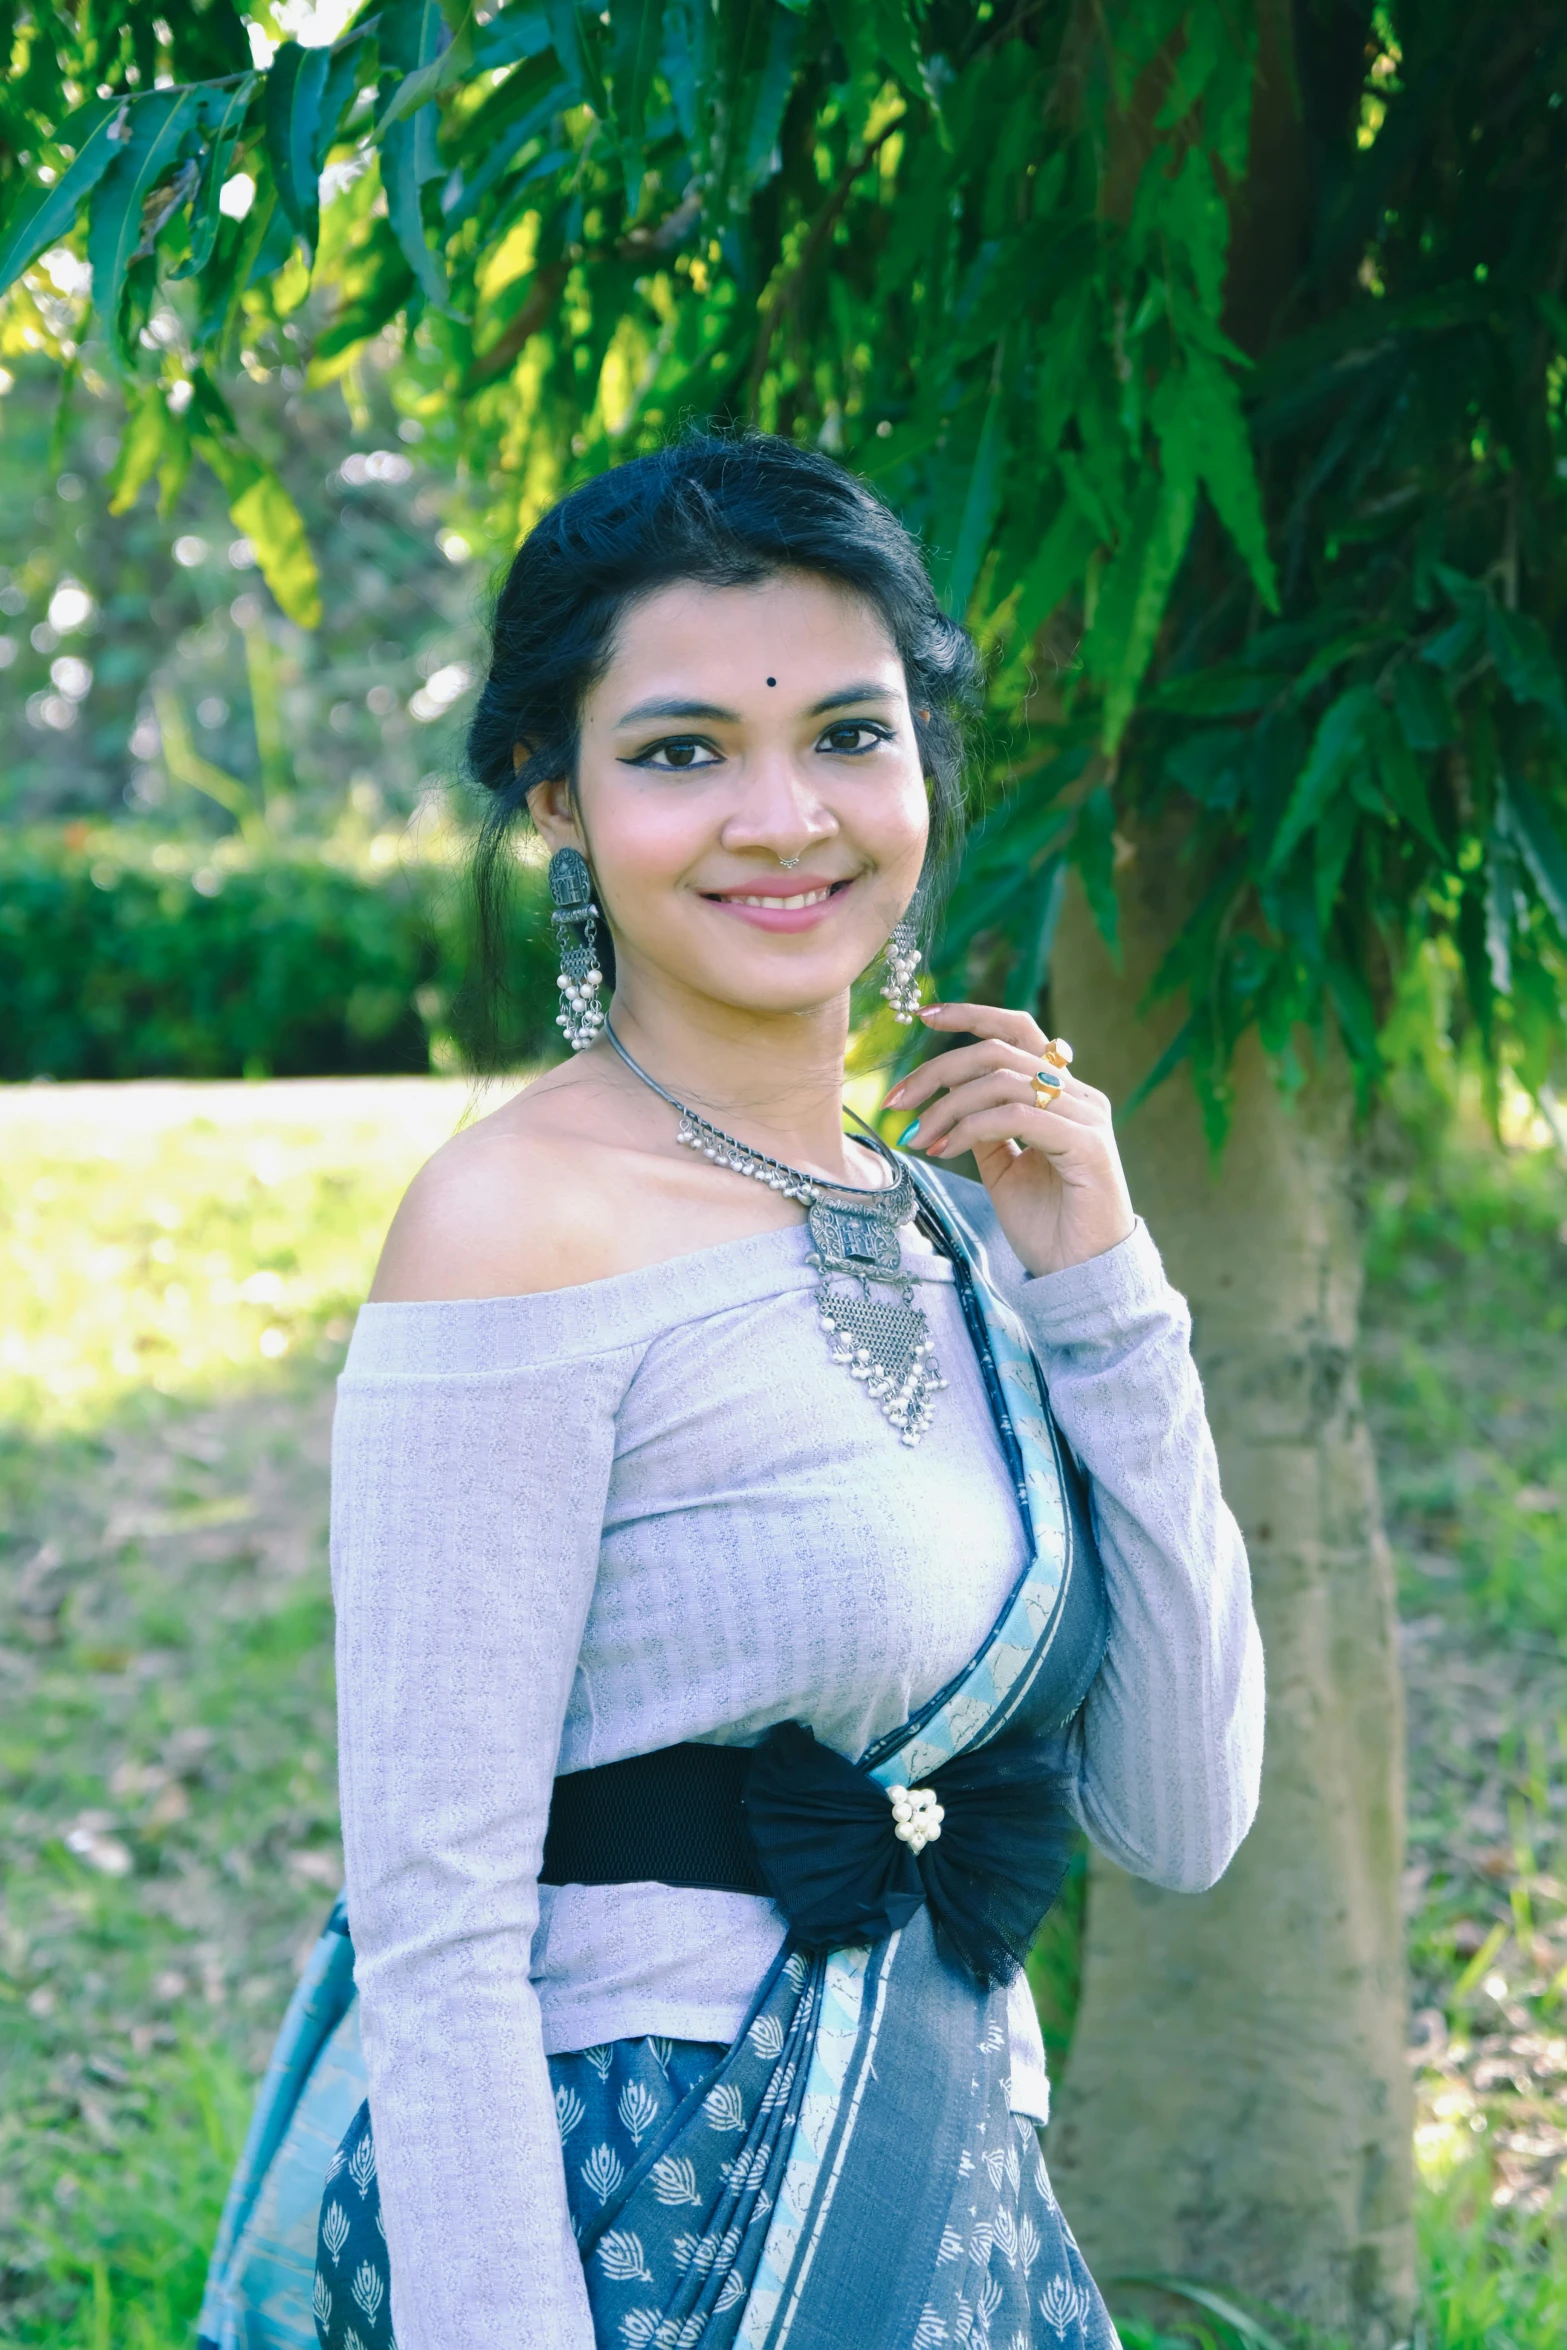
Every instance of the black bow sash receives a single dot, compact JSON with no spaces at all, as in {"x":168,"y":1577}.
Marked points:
{"x":793,"y":1819}
{"x":824,"y":1836}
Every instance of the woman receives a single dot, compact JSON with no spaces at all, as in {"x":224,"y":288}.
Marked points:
{"x":727,"y":1643}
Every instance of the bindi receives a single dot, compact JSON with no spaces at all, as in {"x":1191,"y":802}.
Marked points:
{"x":772,"y":681}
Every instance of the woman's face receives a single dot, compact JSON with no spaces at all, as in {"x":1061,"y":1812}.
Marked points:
{"x":749,"y":793}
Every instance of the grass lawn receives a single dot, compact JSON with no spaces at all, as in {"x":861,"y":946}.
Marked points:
{"x":180,"y":1266}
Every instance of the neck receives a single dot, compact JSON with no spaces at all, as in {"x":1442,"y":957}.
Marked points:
{"x":773,"y":1080}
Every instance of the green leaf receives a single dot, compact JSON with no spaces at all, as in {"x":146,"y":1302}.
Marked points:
{"x":1455,"y":643}
{"x":291,"y":112}
{"x":258,"y":503}
{"x":1539,"y":843}
{"x":981,"y":503}
{"x":1402,"y":778}
{"x":1357,"y":1017}
{"x":342,"y":82}
{"x":1221,"y":693}
{"x":899,"y":44}
{"x":1524,"y":661}
{"x":512,"y":34}
{"x":375,"y":282}
{"x":1037,"y":939}
{"x":1137,"y":587}
{"x":1093,"y":853}
{"x":1501,"y":890}
{"x":1333,"y":846}
{"x":271,"y":521}
{"x":768,"y":95}
{"x":223,"y":119}
{"x":1253,"y":2334}
{"x":41,"y":216}
{"x":1202,"y":430}
{"x":1339,"y":743}
{"x":160,"y":124}
{"x":688,"y":67}
{"x":455,"y":63}
{"x":578,"y":53}
{"x":1056,"y":569}
{"x":1175,"y":1052}
{"x":1212,"y":766}
{"x":411,"y":35}
{"x":1422,"y":707}
{"x":636,"y":36}
{"x":144,"y":446}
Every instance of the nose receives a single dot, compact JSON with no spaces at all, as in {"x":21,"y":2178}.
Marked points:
{"x":777,"y":811}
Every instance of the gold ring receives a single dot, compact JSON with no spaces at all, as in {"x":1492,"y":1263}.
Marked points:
{"x":1058,"y":1053}
{"x":1047,"y":1089}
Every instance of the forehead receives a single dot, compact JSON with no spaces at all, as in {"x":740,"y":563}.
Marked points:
{"x":806,"y":631}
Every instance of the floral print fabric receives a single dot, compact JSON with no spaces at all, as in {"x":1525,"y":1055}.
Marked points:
{"x":678,"y":2158}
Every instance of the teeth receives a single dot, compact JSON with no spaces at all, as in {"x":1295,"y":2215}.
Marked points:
{"x":810,"y":897}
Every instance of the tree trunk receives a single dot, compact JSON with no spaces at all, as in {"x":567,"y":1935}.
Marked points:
{"x":1236,"y":2107}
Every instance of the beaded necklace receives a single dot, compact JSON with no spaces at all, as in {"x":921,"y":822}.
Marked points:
{"x":883,"y":1341}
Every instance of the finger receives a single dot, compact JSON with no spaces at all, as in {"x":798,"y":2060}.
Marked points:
{"x":957,"y":1068}
{"x":1057,"y":1133}
{"x":989,"y":1090}
{"x":1009,"y":1084}
{"x":1015,"y":1028}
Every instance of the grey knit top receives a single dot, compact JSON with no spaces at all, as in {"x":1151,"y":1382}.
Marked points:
{"x":584,"y":1524}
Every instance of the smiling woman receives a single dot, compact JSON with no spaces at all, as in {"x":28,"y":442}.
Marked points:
{"x":743,"y":1586}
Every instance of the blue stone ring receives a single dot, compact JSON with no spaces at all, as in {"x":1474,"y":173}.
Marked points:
{"x":1047,"y":1081}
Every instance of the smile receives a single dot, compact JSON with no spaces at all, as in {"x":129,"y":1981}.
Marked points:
{"x":772,"y":910}
{"x":808,"y":897}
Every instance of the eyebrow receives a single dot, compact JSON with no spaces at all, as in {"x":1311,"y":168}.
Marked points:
{"x":842,"y":700}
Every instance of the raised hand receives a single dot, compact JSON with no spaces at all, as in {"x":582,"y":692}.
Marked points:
{"x":1054,"y":1172}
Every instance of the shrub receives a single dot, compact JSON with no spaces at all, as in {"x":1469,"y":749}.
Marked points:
{"x":120,"y":958}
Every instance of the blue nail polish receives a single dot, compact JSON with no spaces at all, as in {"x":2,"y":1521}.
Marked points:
{"x":909,"y":1132}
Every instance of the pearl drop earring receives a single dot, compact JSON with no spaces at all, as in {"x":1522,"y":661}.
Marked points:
{"x":581,"y":1015}
{"x":903,"y":960}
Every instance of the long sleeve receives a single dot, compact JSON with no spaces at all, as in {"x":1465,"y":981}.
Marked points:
{"x":1165,"y":1759}
{"x":1168,"y":1749}
{"x":467,"y":1515}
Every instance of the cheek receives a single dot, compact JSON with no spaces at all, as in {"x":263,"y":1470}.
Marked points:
{"x":898,"y":827}
{"x":643,"y":842}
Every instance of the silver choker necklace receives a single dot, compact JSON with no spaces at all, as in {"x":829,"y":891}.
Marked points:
{"x":885,"y":1342}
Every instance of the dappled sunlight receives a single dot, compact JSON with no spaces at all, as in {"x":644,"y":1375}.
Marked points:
{"x":184,"y":1237}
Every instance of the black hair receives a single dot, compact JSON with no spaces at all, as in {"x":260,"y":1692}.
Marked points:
{"x":727,"y":512}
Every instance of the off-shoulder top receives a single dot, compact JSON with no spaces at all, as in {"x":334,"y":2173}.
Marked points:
{"x":584,"y":1524}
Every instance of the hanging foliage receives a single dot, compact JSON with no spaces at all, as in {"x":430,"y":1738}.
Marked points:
{"x":1309,"y":599}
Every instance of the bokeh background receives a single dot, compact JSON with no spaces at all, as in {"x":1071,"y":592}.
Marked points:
{"x":1261,"y":528}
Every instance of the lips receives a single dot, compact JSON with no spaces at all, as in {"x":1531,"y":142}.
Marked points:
{"x":812,"y":897}
{"x":798,"y":908}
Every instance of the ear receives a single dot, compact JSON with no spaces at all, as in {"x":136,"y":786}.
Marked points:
{"x":554,"y":814}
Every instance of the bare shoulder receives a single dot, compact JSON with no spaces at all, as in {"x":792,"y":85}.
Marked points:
{"x":519,"y":1202}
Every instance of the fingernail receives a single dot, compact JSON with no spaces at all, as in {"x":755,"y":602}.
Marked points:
{"x":933,"y":1150}
{"x":932,"y":1011}
{"x":909,"y":1132}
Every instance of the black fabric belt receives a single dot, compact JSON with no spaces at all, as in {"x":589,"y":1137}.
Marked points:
{"x":676,"y":1817}
{"x":793,"y":1820}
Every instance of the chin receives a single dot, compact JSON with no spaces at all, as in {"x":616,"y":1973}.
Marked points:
{"x":785,"y":983}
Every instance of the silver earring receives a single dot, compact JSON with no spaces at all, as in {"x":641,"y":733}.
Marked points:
{"x":902,"y":990}
{"x":581,"y":1015}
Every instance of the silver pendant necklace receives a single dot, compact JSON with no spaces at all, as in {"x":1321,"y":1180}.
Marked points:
{"x":884,"y":1341}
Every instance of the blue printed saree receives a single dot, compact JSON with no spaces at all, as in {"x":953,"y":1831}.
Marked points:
{"x":848,"y":2175}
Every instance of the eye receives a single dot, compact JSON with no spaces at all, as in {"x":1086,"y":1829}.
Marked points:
{"x":678,"y":754}
{"x":853,"y":737}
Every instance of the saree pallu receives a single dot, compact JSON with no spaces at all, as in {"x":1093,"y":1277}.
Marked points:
{"x":848,"y":2175}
